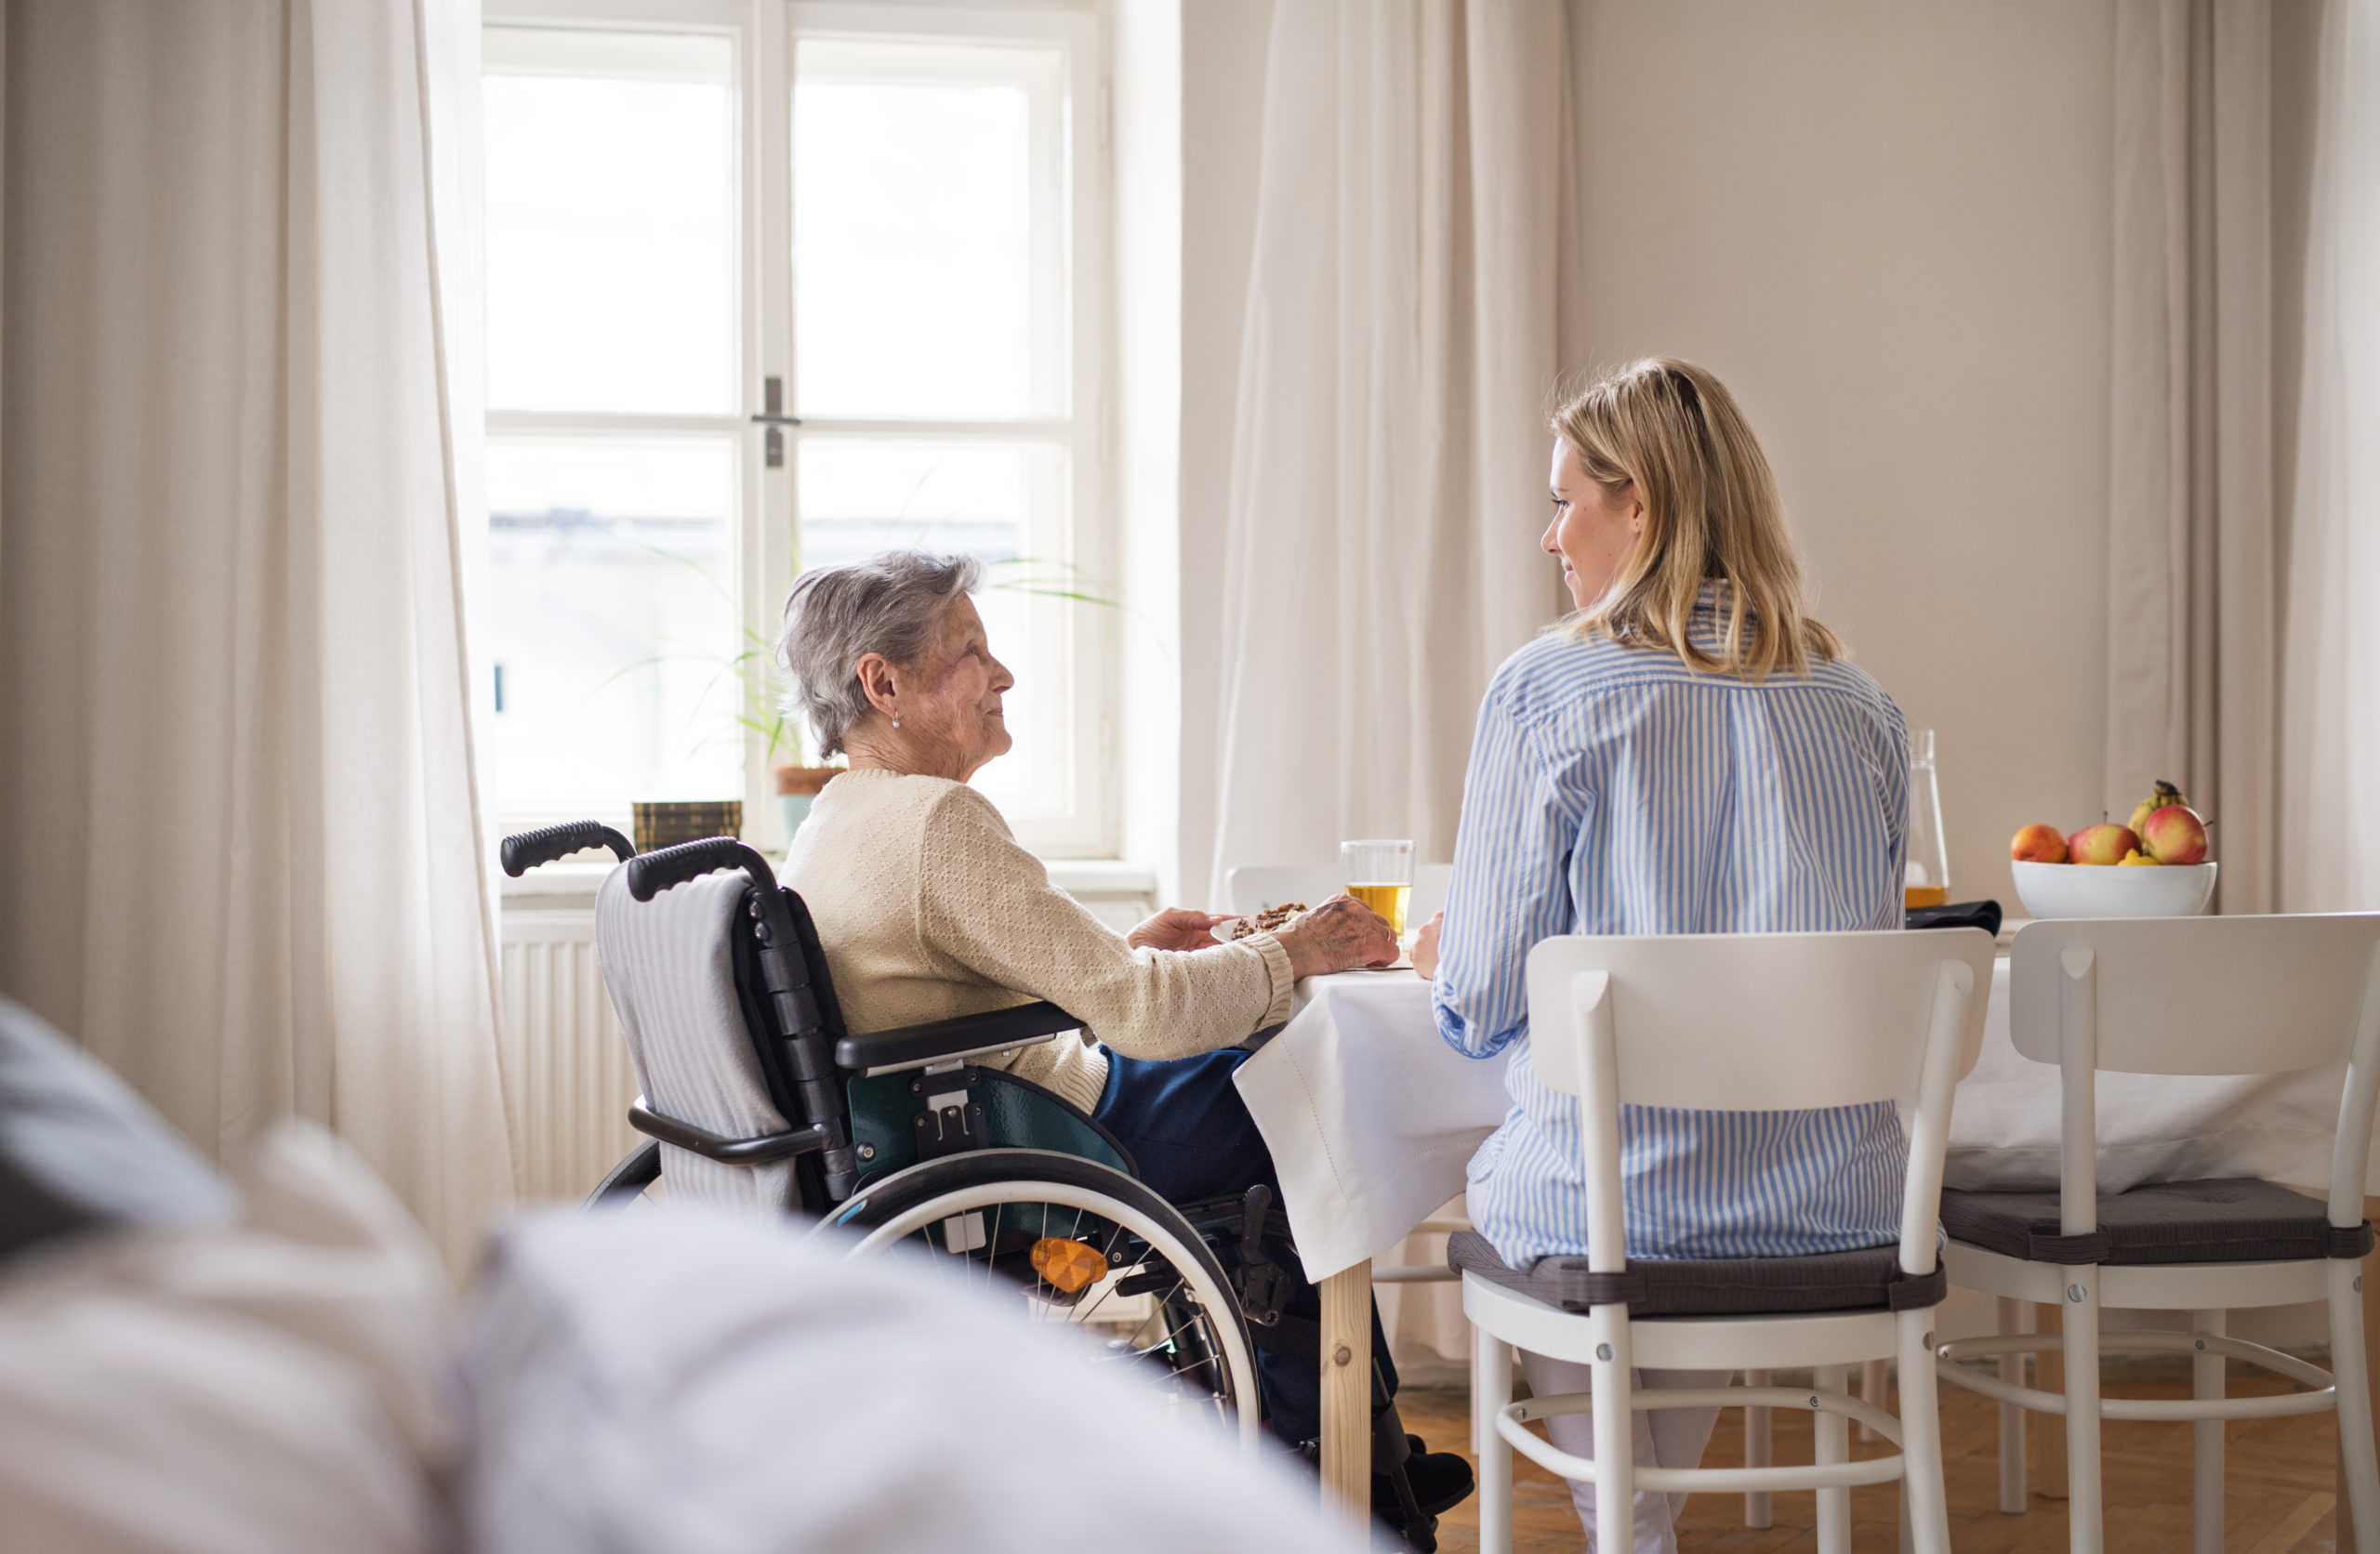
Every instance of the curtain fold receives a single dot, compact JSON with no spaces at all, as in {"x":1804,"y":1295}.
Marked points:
{"x":2329,"y":799}
{"x":1388,"y":452}
{"x":235,"y":712}
{"x":2193,"y":633}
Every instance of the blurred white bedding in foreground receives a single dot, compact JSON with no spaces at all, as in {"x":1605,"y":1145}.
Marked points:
{"x":284,"y":1369}
{"x":678,"y":1382}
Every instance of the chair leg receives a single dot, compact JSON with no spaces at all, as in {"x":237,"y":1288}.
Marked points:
{"x":1873,"y":1384}
{"x":1615,"y":1430}
{"x":2206,"y":1442}
{"x":2084,"y":1534}
{"x":1491,"y":1388}
{"x":2354,"y":1403}
{"x":1757,"y":1513}
{"x":1833,"y":1432}
{"x":2015,"y":1316}
{"x":1927,"y":1515}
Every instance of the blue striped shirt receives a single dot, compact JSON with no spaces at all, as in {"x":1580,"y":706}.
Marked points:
{"x":1616,"y":791}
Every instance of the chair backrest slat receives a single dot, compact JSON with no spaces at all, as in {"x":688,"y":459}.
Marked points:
{"x":1762,"y":1022}
{"x":2200,"y":995}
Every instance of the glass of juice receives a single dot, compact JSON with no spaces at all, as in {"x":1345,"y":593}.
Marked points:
{"x":1380,"y":875}
{"x":1925,"y":880}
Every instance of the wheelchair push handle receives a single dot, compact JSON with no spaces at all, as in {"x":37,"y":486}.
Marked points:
{"x":651,"y":873}
{"x":530,"y":849}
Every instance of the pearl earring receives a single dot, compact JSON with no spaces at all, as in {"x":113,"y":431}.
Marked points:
{"x":896,"y":722}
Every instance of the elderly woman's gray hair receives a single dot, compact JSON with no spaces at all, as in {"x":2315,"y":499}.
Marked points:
{"x":888,"y":605}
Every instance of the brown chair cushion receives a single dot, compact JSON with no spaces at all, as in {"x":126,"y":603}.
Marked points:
{"x":2233,"y":1219}
{"x":1869,"y":1278}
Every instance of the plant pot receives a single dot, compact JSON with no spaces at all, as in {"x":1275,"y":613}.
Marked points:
{"x":796,"y":787}
{"x":668,"y":823}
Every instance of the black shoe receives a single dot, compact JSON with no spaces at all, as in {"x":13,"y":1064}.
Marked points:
{"x":1440,"y":1481}
{"x":1434,"y":1482}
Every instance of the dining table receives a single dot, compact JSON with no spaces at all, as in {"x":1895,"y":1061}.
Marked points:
{"x":1371,"y":1117}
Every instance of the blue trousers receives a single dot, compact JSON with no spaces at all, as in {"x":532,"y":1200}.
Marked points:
{"x":1186,"y":1125}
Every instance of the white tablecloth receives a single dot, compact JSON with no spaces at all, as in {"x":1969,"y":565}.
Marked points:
{"x":1371,"y":1117}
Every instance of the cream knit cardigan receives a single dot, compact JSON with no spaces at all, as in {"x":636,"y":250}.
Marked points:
{"x":928,"y":908}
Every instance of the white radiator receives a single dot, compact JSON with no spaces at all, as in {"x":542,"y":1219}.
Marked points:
{"x":565,"y":1062}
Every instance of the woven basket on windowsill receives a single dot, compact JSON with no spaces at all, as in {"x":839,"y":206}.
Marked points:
{"x":669,"y":822}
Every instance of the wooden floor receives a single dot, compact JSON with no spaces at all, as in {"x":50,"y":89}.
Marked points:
{"x":2279,"y":1483}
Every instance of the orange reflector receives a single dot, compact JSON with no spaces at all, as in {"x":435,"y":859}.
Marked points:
{"x":1069,"y":1265}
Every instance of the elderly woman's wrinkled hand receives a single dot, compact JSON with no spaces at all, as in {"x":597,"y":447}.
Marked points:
{"x":1340,"y":935}
{"x":1176,"y":927}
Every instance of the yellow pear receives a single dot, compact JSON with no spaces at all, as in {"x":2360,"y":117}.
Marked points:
{"x":2163,"y":794}
{"x":2136,"y":858}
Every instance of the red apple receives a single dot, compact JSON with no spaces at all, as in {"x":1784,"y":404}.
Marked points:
{"x":2038,"y":844}
{"x":2103,"y":844}
{"x":2174,"y":835}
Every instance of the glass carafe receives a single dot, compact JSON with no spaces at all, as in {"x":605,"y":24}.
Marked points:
{"x":1925,"y":879}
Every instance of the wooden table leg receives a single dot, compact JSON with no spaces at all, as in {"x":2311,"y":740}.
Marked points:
{"x":2049,"y":1429}
{"x":1347,"y":1393}
{"x":2345,"y":1538}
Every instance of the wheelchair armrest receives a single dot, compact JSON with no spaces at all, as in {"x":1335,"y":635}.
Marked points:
{"x":757,"y":1151}
{"x":971,"y":1035}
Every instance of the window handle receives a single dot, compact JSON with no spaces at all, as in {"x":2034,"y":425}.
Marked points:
{"x":775,"y":419}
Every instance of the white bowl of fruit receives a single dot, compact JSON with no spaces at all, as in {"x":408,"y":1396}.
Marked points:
{"x":2155,"y":865}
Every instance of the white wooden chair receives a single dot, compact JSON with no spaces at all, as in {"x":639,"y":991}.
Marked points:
{"x":2209,"y":995}
{"x":1732,"y":1023}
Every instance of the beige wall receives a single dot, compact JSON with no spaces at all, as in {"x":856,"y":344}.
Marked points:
{"x":1886,"y":228}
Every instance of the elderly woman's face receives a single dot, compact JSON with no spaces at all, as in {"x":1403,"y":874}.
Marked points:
{"x":950,"y":699}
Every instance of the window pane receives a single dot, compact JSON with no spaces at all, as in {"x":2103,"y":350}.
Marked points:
{"x":1003,"y":503}
{"x":928,"y":230}
{"x":615,"y":632}
{"x":611,"y":221}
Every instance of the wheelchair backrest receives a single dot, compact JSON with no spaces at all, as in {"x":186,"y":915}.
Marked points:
{"x":671,"y":964}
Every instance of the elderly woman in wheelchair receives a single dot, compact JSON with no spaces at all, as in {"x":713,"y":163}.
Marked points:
{"x":923,"y":1040}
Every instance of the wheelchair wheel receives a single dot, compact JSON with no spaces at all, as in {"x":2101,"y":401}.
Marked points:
{"x":1160,"y":1303}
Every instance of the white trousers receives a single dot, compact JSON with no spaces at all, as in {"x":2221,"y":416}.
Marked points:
{"x":1665,"y":1438}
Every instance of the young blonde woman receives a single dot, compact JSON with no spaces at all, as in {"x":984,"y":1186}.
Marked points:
{"x":1688,"y":752}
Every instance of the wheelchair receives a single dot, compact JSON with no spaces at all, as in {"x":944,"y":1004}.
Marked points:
{"x":756,"y":1095}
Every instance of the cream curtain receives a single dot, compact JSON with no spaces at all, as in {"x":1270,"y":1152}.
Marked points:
{"x":2193,"y":634}
{"x":1389,"y":457}
{"x":1390,"y":450}
{"x":2330,"y":794}
{"x":244,"y":860}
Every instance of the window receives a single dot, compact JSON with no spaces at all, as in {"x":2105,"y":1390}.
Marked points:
{"x":885,"y":221}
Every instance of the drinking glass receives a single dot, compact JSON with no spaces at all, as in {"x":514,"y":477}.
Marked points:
{"x":1925,"y":879}
{"x":1380,"y":875}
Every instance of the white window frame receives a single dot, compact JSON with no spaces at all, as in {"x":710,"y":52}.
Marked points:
{"x":764,"y":32}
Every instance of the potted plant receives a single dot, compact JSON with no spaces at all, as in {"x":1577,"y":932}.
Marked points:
{"x":796,"y":784}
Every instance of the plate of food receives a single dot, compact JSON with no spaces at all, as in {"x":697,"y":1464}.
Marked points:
{"x":1272,"y":919}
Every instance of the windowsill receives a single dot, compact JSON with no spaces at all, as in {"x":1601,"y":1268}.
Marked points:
{"x":1102,"y":876}
{"x":562,"y":887}
{"x":558,"y":879}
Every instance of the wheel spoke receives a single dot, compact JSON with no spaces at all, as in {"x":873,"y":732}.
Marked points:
{"x":1184,"y":1323}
